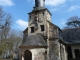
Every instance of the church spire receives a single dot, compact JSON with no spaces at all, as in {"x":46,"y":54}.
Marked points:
{"x":39,"y":3}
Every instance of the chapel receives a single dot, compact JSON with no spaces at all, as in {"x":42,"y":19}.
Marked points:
{"x":43,"y":40}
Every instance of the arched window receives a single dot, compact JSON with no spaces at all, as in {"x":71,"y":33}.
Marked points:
{"x":28,"y":55}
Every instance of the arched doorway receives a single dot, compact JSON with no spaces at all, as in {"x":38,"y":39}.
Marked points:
{"x":28,"y":55}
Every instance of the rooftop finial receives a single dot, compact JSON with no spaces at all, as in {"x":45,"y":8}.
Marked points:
{"x":39,"y":3}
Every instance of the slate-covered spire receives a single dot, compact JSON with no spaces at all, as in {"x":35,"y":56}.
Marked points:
{"x":39,"y":3}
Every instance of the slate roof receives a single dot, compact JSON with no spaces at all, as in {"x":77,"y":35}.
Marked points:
{"x":34,"y":40}
{"x":16,"y":50}
{"x":71,"y":36}
{"x":38,"y":8}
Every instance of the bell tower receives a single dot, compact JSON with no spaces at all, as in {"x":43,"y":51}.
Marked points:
{"x":38,"y":18}
{"x":41,"y":38}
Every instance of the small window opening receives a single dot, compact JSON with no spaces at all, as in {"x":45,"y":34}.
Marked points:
{"x":77,"y":53}
{"x":43,"y":13}
{"x":30,"y":16}
{"x":42,"y":27}
{"x":32,"y":29}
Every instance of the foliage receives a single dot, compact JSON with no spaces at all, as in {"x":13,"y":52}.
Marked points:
{"x":13,"y":41}
{"x":9,"y":39}
{"x":73,"y":22}
{"x":5,"y":23}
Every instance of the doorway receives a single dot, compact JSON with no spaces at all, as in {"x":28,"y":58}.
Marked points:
{"x":69,"y":51}
{"x":28,"y":55}
{"x":77,"y":53}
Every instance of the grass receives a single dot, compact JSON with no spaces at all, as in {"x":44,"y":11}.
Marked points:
{"x":0,"y":59}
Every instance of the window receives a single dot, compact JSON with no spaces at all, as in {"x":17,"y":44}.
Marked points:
{"x":43,"y":13}
{"x":30,"y":16}
{"x":69,"y":52}
{"x":77,"y":53}
{"x":42,"y":27}
{"x":55,"y":31}
{"x":32,"y":29}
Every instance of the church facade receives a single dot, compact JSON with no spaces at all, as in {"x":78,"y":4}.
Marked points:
{"x":42,"y":40}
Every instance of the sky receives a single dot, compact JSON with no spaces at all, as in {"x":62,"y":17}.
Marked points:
{"x":61,"y":10}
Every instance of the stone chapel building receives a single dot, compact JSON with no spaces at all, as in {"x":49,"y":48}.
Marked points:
{"x":42,"y":40}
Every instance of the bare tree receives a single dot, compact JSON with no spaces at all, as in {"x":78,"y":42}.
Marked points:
{"x":16,"y":38}
{"x":5,"y":22}
{"x":9,"y":39}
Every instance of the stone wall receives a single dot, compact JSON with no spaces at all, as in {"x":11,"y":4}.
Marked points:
{"x":40,"y":21}
{"x":52,"y":31}
{"x":37,"y":54}
{"x":74,"y":47}
{"x":54,"y":50}
{"x":42,"y":17}
{"x":47,"y":16}
{"x":63,"y":53}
